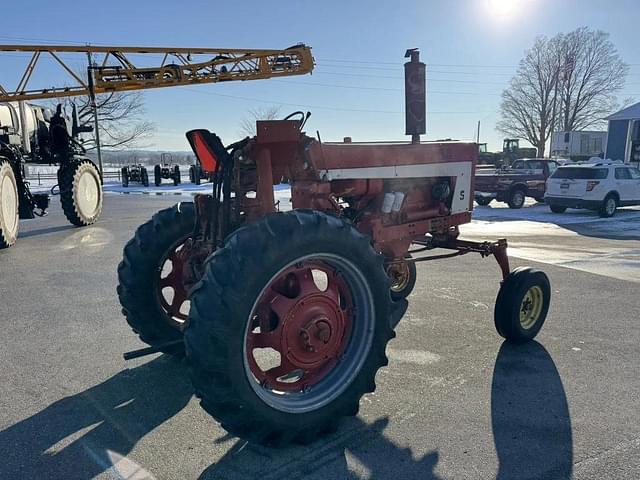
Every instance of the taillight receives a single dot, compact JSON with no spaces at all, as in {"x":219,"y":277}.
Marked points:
{"x":591,"y":185}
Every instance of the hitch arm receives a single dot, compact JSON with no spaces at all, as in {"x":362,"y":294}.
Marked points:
{"x":143,"y":352}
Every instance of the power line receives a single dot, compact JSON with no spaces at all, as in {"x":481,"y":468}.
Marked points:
{"x":322,"y":107}
{"x":358,"y":87}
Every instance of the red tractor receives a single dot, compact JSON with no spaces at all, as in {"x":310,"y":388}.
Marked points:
{"x":284,"y":317}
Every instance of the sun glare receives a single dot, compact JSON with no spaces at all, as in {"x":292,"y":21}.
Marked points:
{"x":503,"y":9}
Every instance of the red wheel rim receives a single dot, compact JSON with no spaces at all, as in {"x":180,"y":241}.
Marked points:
{"x":171,"y":291}
{"x":307,"y":323}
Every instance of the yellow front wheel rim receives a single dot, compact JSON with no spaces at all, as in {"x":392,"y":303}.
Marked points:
{"x":531,"y":307}
{"x":400,"y":275}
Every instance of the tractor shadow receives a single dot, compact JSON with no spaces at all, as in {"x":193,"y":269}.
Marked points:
{"x":83,"y":435}
{"x":530,"y":415}
{"x":357,"y":450}
{"x":45,"y":231}
{"x":530,"y":423}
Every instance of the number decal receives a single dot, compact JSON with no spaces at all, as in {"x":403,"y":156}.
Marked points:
{"x":461,"y":194}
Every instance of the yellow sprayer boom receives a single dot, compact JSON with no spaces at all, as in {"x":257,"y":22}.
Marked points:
{"x":112,"y":69}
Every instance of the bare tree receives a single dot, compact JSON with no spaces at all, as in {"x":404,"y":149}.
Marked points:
{"x":527,"y":106}
{"x":248,"y":124}
{"x":567,"y":82}
{"x":592,"y":72}
{"x":121,"y":120}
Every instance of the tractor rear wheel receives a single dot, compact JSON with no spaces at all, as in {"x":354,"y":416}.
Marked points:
{"x":124,"y":171}
{"x":176,"y":176}
{"x":157,"y":175}
{"x":151,"y":291}
{"x":144,"y":177}
{"x":288,"y":327}
{"x":194,"y":174}
{"x":522,"y":304}
{"x":9,"y":203}
{"x":80,"y":192}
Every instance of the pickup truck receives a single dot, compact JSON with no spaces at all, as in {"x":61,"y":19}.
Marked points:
{"x":524,"y":178}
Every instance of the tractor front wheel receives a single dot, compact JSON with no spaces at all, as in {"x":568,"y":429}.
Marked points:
{"x":288,"y":327}
{"x":80,"y":192}
{"x":151,"y":290}
{"x":157,"y":175}
{"x":403,"y":279}
{"x":522,"y":304}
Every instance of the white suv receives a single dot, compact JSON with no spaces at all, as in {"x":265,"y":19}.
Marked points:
{"x":602,"y":186}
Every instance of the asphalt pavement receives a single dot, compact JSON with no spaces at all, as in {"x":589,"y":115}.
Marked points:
{"x":455,"y":401}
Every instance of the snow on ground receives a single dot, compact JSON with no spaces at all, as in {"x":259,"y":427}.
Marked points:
{"x":540,"y":213}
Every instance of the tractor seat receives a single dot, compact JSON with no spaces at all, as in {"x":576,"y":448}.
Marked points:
{"x":208,"y":148}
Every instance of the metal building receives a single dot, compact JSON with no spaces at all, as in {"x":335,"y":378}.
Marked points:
{"x":624,"y":128}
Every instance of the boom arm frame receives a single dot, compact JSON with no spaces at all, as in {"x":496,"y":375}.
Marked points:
{"x":112,"y":69}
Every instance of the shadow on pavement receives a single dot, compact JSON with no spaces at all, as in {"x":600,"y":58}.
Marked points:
{"x":530,"y":415}
{"x":625,"y":227}
{"x":371,"y":454}
{"x":85,"y":434}
{"x":45,"y":231}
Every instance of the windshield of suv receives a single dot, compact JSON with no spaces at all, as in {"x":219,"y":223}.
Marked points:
{"x":580,"y":173}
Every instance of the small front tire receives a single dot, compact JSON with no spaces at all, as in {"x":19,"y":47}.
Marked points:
{"x":403,"y":279}
{"x":483,"y":201}
{"x":557,"y":208}
{"x":522,"y":304}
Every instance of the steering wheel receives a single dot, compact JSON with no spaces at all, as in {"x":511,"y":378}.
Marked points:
{"x":303,"y":117}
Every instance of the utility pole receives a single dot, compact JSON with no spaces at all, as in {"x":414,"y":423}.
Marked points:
{"x":478,"y":134}
{"x":94,"y":108}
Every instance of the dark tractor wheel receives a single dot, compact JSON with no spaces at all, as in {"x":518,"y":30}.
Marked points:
{"x":194,"y":174}
{"x":9,"y":208}
{"x":522,"y":304}
{"x":557,"y":208}
{"x":176,"y":176}
{"x":125,"y":176}
{"x":157,"y":175}
{"x":80,"y":192}
{"x":151,"y":292}
{"x":517,"y":198}
{"x":483,"y":201}
{"x":288,"y":327}
{"x":403,"y":279}
{"x":144,"y":177}
{"x":609,"y":206}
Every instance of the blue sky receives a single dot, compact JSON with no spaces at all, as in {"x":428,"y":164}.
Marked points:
{"x":471,"y":48}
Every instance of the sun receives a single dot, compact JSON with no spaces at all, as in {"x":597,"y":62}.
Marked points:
{"x":503,"y":9}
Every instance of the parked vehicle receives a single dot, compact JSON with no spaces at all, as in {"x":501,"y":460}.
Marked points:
{"x":578,"y":145}
{"x":511,"y":150}
{"x":525,"y":178}
{"x":198,"y":175}
{"x":135,"y":173}
{"x":166,"y":170}
{"x":599,"y":186}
